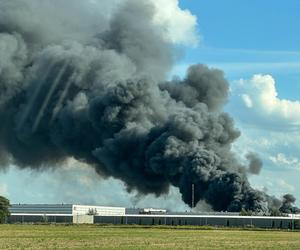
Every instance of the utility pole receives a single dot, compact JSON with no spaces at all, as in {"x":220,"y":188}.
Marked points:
{"x":193,"y":195}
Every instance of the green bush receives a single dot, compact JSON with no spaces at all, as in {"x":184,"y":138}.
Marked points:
{"x":4,"y":209}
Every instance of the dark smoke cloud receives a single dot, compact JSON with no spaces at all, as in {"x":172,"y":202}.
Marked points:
{"x":287,"y":205}
{"x":201,"y":85}
{"x":95,"y":90}
{"x":255,"y":163}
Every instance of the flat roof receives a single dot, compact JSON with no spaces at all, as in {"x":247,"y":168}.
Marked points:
{"x":169,"y":216}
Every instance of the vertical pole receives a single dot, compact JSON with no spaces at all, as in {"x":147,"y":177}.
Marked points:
{"x":193,"y":195}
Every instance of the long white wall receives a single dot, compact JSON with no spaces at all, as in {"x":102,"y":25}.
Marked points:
{"x":99,"y":210}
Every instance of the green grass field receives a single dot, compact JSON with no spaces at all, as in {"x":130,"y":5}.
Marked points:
{"x":113,"y":237}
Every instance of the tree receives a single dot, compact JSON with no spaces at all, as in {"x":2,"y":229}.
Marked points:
{"x":4,"y":209}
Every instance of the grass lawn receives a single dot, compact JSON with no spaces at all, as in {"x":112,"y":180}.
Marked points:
{"x":113,"y":237}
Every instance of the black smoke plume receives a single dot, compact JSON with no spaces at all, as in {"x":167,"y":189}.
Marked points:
{"x":255,"y":163}
{"x":95,"y":90}
{"x":288,"y":206}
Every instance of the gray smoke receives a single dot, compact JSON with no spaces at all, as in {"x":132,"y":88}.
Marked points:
{"x":255,"y":163}
{"x":202,"y":85}
{"x":288,"y":206}
{"x":94,"y":89}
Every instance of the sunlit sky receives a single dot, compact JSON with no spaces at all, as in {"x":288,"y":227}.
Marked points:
{"x":243,"y":38}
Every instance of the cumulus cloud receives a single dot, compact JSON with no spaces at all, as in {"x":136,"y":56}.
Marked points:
{"x":256,"y":102}
{"x":270,"y":126}
{"x":180,"y":25}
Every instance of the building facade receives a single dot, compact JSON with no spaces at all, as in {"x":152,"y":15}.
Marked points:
{"x":79,"y":214}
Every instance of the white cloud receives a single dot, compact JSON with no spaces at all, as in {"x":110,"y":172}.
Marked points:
{"x":256,"y":102}
{"x":283,"y":160}
{"x":270,"y":126}
{"x":180,"y":25}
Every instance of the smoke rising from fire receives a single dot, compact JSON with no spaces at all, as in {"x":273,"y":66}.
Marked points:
{"x":255,"y":163}
{"x":95,"y":89}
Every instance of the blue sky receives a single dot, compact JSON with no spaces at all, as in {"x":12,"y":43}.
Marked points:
{"x":257,"y":25}
{"x":261,"y":35}
{"x":243,"y":38}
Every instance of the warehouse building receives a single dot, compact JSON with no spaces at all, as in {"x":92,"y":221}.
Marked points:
{"x":203,"y":220}
{"x":41,"y":208}
{"x":60,"y":213}
{"x":70,"y":213}
{"x":65,"y":209}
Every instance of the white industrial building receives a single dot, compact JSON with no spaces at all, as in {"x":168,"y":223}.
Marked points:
{"x":77,"y":214}
{"x":66,"y":209}
{"x":84,"y":214}
{"x":97,"y":210}
{"x":61,"y":213}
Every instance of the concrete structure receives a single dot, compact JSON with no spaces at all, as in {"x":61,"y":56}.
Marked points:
{"x":83,"y":219}
{"x":98,"y":210}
